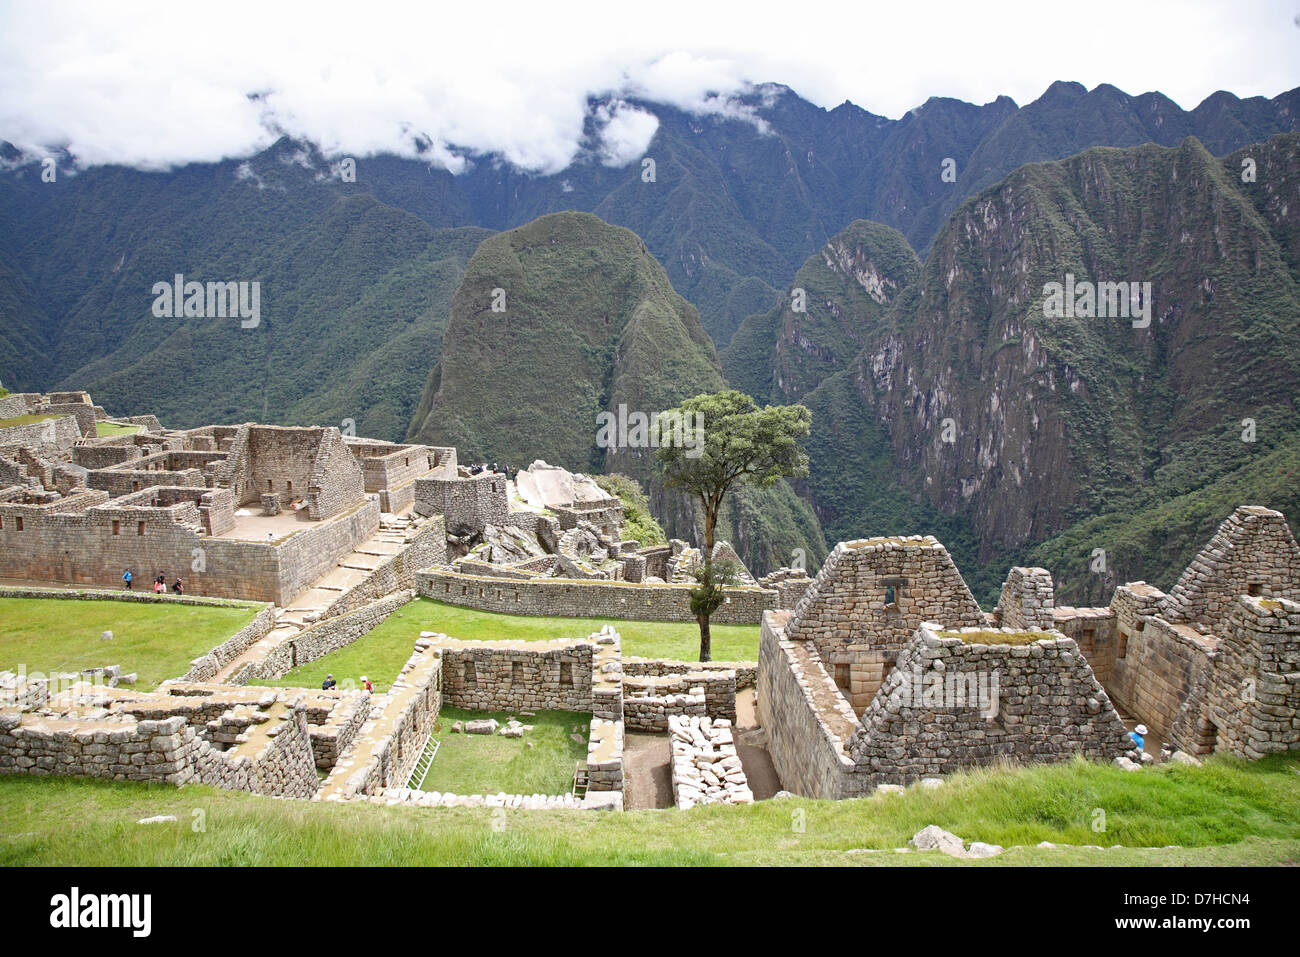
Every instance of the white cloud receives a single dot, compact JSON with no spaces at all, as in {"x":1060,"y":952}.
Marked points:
{"x":625,"y":132}
{"x":155,"y":84}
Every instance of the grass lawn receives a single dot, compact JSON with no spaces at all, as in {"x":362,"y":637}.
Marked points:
{"x":157,"y":641}
{"x":380,"y":654}
{"x":103,"y":429}
{"x":541,"y":762}
{"x":24,"y":420}
{"x":1225,"y":813}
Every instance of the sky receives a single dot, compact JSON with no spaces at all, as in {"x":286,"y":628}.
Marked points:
{"x":155,"y":85}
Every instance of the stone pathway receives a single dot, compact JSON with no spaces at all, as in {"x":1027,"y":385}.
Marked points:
{"x":348,"y":572}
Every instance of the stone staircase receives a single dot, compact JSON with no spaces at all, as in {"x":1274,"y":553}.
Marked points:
{"x":308,"y":607}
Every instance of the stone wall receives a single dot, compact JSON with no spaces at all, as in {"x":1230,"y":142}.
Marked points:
{"x":807,"y":720}
{"x":868,"y":600}
{"x":1156,"y":661}
{"x":1094,"y":631}
{"x":86,"y":539}
{"x":790,"y":585}
{"x":425,"y":547}
{"x":649,"y":702}
{"x":51,"y":435}
{"x":1252,"y":553}
{"x":1247,"y":699}
{"x":165,"y":750}
{"x":569,"y":598}
{"x":517,"y":675}
{"x":319,"y":640}
{"x":746,"y":671}
{"x":207,"y":667}
{"x":1027,"y":599}
{"x":396,"y":732}
{"x":467,"y":504}
{"x":705,"y":766}
{"x":966,"y":698}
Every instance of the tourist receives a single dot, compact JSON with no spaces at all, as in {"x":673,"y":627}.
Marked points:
{"x":366,"y":685}
{"x":179,"y":587}
{"x":159,"y":584}
{"x":328,"y":683}
{"x":1138,"y":735}
{"x":126,"y":577}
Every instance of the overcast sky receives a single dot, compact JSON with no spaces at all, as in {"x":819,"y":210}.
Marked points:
{"x":157,"y":84}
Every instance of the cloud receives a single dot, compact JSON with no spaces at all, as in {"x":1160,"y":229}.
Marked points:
{"x":625,"y":132}
{"x":154,"y":84}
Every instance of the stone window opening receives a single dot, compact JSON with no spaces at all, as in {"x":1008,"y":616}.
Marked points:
{"x":566,"y":674}
{"x":18,"y":524}
{"x":516,"y":673}
{"x":1122,"y":650}
{"x":117,"y":527}
{"x":1255,"y":589}
{"x":471,"y":676}
{"x":843,"y":677}
{"x":890,"y":597}
{"x":139,"y":528}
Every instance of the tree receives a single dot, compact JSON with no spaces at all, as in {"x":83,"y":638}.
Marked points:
{"x":708,"y":592}
{"x":727,"y":438}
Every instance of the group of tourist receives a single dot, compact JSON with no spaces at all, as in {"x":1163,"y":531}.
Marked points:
{"x":329,"y":683}
{"x":493,"y":468}
{"x":159,"y":583}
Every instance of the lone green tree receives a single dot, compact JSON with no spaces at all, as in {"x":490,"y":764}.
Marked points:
{"x":728,"y":438}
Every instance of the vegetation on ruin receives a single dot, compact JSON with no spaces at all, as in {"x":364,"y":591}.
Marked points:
{"x":998,"y":637}
{"x":639,"y":524}
{"x":541,"y":762}
{"x":380,"y":654}
{"x":24,"y":420}
{"x":105,"y":429}
{"x":1228,"y":812}
{"x":155,"y":640}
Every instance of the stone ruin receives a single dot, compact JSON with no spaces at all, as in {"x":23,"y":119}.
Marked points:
{"x":886,"y":671}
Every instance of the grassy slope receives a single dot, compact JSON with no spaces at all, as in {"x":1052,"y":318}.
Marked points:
{"x":541,"y":762}
{"x":157,"y":641}
{"x":104,"y":429}
{"x":381,"y":654}
{"x":1251,"y":811}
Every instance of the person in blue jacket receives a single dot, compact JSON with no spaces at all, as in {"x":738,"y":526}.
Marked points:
{"x":1138,"y":735}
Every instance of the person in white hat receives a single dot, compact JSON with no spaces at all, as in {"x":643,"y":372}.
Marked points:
{"x":366,"y":685}
{"x":1138,"y":735}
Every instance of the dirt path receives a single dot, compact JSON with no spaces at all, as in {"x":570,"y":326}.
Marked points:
{"x":647,"y":771}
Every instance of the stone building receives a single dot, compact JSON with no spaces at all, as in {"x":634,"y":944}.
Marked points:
{"x":847,"y":680}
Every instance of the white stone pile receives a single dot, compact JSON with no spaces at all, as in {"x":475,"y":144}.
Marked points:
{"x":706,"y":766}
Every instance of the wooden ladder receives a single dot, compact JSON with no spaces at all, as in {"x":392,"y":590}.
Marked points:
{"x":580,"y":779}
{"x":422,"y":766}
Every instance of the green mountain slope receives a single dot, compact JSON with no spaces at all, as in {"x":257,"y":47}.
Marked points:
{"x":587,"y":323}
{"x":1049,"y":437}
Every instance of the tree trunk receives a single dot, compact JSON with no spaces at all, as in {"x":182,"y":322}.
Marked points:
{"x":705,"y":638}
{"x":710,"y":522}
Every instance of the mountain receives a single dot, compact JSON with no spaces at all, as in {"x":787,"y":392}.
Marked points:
{"x":353,"y":294}
{"x":1043,"y":438}
{"x":837,"y":298}
{"x":585,"y":322}
{"x":739,"y":201}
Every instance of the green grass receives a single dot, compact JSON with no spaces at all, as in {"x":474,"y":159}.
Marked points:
{"x":104,"y":429}
{"x":155,"y":640}
{"x":380,"y":654}
{"x":541,"y":762}
{"x":1225,"y":813}
{"x":24,"y":420}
